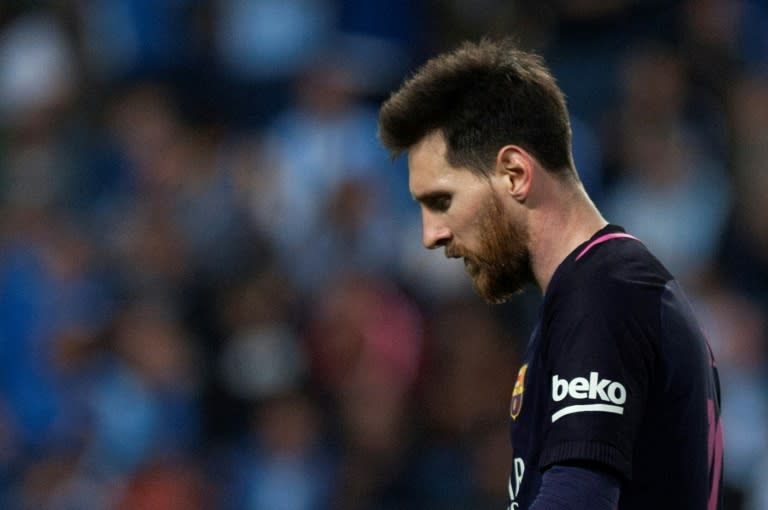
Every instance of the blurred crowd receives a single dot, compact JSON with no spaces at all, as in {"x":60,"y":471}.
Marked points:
{"x":213,"y":293}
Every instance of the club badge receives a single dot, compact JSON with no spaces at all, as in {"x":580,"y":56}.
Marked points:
{"x":517,"y":393}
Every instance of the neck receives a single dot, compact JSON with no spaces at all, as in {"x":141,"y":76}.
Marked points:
{"x":565,"y":221}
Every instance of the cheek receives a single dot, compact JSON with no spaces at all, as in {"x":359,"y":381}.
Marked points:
{"x":469,"y":241}
{"x":470,"y":227}
{"x":469,"y":218}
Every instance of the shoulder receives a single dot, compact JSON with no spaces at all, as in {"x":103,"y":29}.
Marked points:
{"x":605,"y":307}
{"x":612,"y":294}
{"x":609,"y":274}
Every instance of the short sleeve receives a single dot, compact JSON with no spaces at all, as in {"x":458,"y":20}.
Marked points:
{"x":598,"y":360}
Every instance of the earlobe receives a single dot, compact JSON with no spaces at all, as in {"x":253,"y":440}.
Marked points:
{"x":515,"y":166}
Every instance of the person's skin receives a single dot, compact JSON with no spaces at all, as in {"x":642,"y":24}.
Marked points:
{"x":520,"y":213}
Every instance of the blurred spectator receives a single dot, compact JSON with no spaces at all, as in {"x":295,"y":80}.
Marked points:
{"x":179,"y":187}
{"x":584,"y":42}
{"x":671,"y":199}
{"x":284,"y":463}
{"x":752,"y":32}
{"x":37,"y":69}
{"x":490,"y":458}
{"x":322,"y":188}
{"x":364,"y":335}
{"x":711,"y":48}
{"x":42,"y":158}
{"x":53,"y":482}
{"x":153,"y":372}
{"x":744,"y":252}
{"x":53,"y":306}
{"x":125,"y":38}
{"x":263,"y":45}
{"x":269,"y":40}
{"x":366,"y":341}
{"x":210,"y":209}
{"x":469,"y":356}
{"x":166,"y":486}
{"x":738,"y":333}
{"x":464,"y":399}
{"x":759,"y":499}
{"x":672,"y":193}
{"x":263,"y":356}
{"x":397,"y":22}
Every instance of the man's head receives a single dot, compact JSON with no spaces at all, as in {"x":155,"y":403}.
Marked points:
{"x":465,"y":212}
{"x":477,"y":124}
{"x":481,"y":96}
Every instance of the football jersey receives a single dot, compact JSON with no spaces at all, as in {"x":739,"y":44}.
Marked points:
{"x":618,"y":374}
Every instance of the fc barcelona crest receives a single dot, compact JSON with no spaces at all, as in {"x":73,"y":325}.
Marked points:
{"x":517,"y":393}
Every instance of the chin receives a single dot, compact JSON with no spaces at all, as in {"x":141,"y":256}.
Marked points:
{"x":493,"y":293}
{"x":500,"y":298}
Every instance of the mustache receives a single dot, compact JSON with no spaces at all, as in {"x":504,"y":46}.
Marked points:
{"x":454,"y":253}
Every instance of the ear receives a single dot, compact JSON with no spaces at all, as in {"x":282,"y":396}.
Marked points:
{"x":514,"y":165}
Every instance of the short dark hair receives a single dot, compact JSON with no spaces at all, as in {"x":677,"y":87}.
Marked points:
{"x":481,"y":96}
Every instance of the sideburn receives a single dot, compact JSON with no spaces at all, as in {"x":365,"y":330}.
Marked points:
{"x":503,"y":258}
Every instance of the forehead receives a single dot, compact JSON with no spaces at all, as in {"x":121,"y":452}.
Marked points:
{"x":428,"y":168}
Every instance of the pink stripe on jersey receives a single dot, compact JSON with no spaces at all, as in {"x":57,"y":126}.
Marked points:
{"x":714,"y":454}
{"x":602,"y":239}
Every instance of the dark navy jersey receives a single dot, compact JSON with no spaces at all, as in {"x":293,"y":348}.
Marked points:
{"x":618,"y":375}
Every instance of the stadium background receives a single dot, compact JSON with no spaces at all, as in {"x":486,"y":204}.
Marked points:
{"x":212,"y":288}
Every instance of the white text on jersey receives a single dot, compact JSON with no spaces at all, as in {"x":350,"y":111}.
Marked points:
{"x":594,"y":388}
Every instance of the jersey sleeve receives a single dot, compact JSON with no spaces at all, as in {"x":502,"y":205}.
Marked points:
{"x":598,"y":359}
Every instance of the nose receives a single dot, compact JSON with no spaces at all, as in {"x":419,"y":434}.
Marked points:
{"x":434,"y":232}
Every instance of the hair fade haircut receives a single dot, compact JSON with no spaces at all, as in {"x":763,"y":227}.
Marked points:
{"x":481,"y":96}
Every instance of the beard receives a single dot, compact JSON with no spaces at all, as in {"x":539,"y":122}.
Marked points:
{"x":501,"y":267}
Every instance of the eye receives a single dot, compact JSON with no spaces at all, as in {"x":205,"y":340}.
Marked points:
{"x":435,"y":201}
{"x":440,"y":203}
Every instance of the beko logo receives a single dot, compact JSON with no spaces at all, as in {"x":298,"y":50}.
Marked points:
{"x":594,"y":388}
